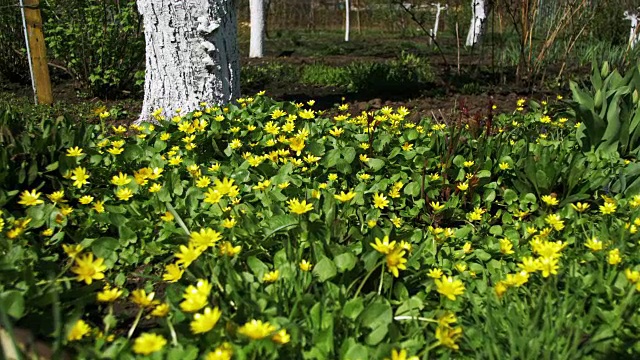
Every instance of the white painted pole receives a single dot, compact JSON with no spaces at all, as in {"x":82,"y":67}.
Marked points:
{"x":26,"y":41}
{"x":257,"y":28}
{"x":346,"y":20}
{"x":633,"y":36}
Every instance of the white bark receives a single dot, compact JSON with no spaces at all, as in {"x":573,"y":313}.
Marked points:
{"x":439,"y":8}
{"x":634,"y":36}
{"x":191,"y":54}
{"x":346,"y":20}
{"x":478,"y":15}
{"x":257,"y":28}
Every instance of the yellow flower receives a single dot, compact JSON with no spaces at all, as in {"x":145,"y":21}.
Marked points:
{"x":396,"y":261}
{"x":79,"y":177}
{"x":271,"y":276}
{"x":168,"y":216}
{"x":469,"y":163}
{"x":529,"y":264}
{"x":175,"y":161}
{"x":281,"y":337}
{"x":205,"y":321}
{"x":549,"y":200}
{"x":372,"y":223}
{"x":463,"y":186}
{"x":229,"y":223}
{"x":614,"y":257}
{"x":336,"y":131}
{"x":87,"y":269}
{"x":449,"y":287}
{"x":548,"y":266}
{"x":504,"y":166}
{"x":594,"y":244}
{"x":79,"y":330}
{"x":407,"y":146}
{"x":277,"y":113}
{"x":401,"y":355}
{"x":205,"y":237}
{"x":448,"y":336}
{"x":226,"y":248}
{"x":119,"y":129}
{"x":109,"y":294}
{"x":30,"y":198}
{"x":148,"y":343}
{"x":196,"y":297}
{"x":296,"y":144}
{"x":555,"y":221}
{"x":47,"y":232}
{"x":72,"y":250}
{"x":120,"y":179}
{"x":155,"y":188}
{"x":364,"y":158}
{"x":212,"y":196}
{"x":224,"y":187}
{"x":124,"y":194}
{"x":380,"y":201}
{"x":66,"y":210}
{"x":256,"y":329}
{"x":86,"y":199}
{"x":500,"y":289}
{"x":608,"y":208}
{"x":56,"y":197}
{"x":223,"y":352}
{"x":435,"y":273}
{"x":383,"y":246}
{"x":118,"y":143}
{"x":142,"y":299}
{"x":305,"y":265}
{"x":160,"y":310}
{"x":172,"y":273}
{"x":299,"y":207}
{"x":466,"y":248}
{"x":203,"y":182}
{"x":187,"y":255}
{"x":344,"y":197}
{"x":436,"y":206}
{"x":74,"y":151}
{"x":115,"y":150}
{"x":633,"y":276}
{"x":580,"y":207}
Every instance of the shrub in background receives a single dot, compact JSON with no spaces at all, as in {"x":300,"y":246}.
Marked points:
{"x":13,"y":60}
{"x":99,"y":42}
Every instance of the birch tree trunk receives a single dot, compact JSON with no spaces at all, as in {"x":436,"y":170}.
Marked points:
{"x":634,"y":37}
{"x":478,"y":15}
{"x":346,"y":20}
{"x":191,"y":55}
{"x":257,"y":28}
{"x":439,"y":8}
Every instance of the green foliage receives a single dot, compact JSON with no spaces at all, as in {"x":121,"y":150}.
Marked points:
{"x":28,"y":156}
{"x":257,"y":76}
{"x":608,"y":110}
{"x":13,"y":59}
{"x":99,"y":42}
{"x":357,"y":235}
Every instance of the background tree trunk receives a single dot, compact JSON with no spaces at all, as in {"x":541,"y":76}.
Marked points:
{"x":633,"y":32}
{"x":191,"y":54}
{"x":257,"y":28}
{"x":478,"y":16}
{"x":347,"y":22}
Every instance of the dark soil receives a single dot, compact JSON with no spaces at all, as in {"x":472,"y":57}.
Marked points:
{"x":476,"y":88}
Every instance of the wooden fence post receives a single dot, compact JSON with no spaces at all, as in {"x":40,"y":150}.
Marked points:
{"x":38,"y":51}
